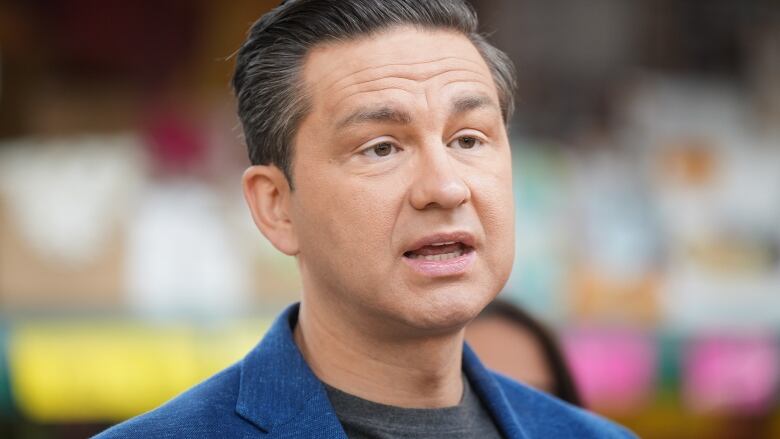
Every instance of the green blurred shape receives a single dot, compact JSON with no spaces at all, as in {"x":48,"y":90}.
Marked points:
{"x":6,"y":401}
{"x":670,"y":347}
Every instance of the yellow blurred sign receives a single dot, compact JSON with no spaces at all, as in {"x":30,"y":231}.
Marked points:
{"x":69,"y":372}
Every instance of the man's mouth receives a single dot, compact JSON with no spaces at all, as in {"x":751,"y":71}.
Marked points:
{"x":439,"y":251}
{"x":442,"y":254}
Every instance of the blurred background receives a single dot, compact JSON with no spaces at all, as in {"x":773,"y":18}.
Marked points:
{"x":646,"y":151}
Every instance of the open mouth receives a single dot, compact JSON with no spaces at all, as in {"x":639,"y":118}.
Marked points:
{"x":439,"y":251}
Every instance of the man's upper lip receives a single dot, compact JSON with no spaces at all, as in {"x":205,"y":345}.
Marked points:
{"x":463,"y":237}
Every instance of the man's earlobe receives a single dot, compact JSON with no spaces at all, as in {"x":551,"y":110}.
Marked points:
{"x":267,"y":193}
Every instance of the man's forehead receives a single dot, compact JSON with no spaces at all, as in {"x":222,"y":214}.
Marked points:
{"x":396,"y":54}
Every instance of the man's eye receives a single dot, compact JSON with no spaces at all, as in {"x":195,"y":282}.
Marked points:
{"x":380,"y":150}
{"x":465,"y":142}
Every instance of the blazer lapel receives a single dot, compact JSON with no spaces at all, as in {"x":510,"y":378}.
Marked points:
{"x":490,"y":393}
{"x":278,"y":391}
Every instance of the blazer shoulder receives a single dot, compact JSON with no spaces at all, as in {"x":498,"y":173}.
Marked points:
{"x":543,"y":415}
{"x":205,"y":410}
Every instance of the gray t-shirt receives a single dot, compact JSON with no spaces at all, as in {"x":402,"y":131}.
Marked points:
{"x":363,"y":419}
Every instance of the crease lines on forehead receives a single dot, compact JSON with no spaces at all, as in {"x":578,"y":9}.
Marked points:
{"x":328,"y":75}
{"x":457,"y":81}
{"x":337,"y":103}
{"x":413,"y":78}
{"x":374,"y":90}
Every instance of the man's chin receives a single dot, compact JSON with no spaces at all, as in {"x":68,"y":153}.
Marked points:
{"x":439,"y":317}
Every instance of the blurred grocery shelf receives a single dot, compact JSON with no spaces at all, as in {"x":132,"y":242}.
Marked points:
{"x":95,"y":370}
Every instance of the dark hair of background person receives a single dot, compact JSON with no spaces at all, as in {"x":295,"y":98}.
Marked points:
{"x":563,"y":384}
{"x":267,"y":82}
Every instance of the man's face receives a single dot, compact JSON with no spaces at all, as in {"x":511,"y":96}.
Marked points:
{"x":403,"y":204}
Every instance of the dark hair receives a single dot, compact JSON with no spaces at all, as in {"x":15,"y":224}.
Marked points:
{"x":563,"y":383}
{"x":267,"y":81}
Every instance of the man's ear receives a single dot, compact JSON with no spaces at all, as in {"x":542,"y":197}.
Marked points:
{"x":267,"y":193}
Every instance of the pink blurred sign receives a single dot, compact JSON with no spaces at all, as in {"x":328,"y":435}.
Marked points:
{"x":734,"y":373}
{"x":615,"y":370}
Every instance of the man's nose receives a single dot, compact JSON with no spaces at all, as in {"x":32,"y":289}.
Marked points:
{"x":438,"y":182}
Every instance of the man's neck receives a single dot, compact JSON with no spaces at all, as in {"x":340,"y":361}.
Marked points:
{"x":418,"y":372}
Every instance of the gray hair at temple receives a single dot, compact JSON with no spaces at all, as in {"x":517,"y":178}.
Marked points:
{"x":267,"y":81}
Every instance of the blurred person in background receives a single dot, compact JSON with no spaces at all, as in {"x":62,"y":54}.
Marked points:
{"x":377,"y":135}
{"x":512,"y":342}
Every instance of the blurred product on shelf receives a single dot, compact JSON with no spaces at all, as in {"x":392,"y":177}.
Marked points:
{"x":540,"y":181}
{"x":731,"y":373}
{"x":614,"y":369}
{"x":69,"y":371}
{"x":63,"y":205}
{"x":180,"y":255}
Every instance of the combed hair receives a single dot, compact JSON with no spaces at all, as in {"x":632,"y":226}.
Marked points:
{"x":268,"y":83}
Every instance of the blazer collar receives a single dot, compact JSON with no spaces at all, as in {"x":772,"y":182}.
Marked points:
{"x":492,"y":396}
{"x":277,"y":385}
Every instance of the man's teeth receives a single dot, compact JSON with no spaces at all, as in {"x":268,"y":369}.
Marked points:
{"x":440,"y":257}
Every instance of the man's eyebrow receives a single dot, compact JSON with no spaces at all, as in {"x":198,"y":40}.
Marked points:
{"x":383,"y":113}
{"x":464,"y":104}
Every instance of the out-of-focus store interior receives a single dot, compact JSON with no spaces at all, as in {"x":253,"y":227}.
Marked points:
{"x":646,"y":151}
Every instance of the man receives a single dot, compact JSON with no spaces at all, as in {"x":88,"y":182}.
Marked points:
{"x":376,"y":129}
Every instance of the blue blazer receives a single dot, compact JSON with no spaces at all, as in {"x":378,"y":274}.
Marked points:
{"x":272,"y":393}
